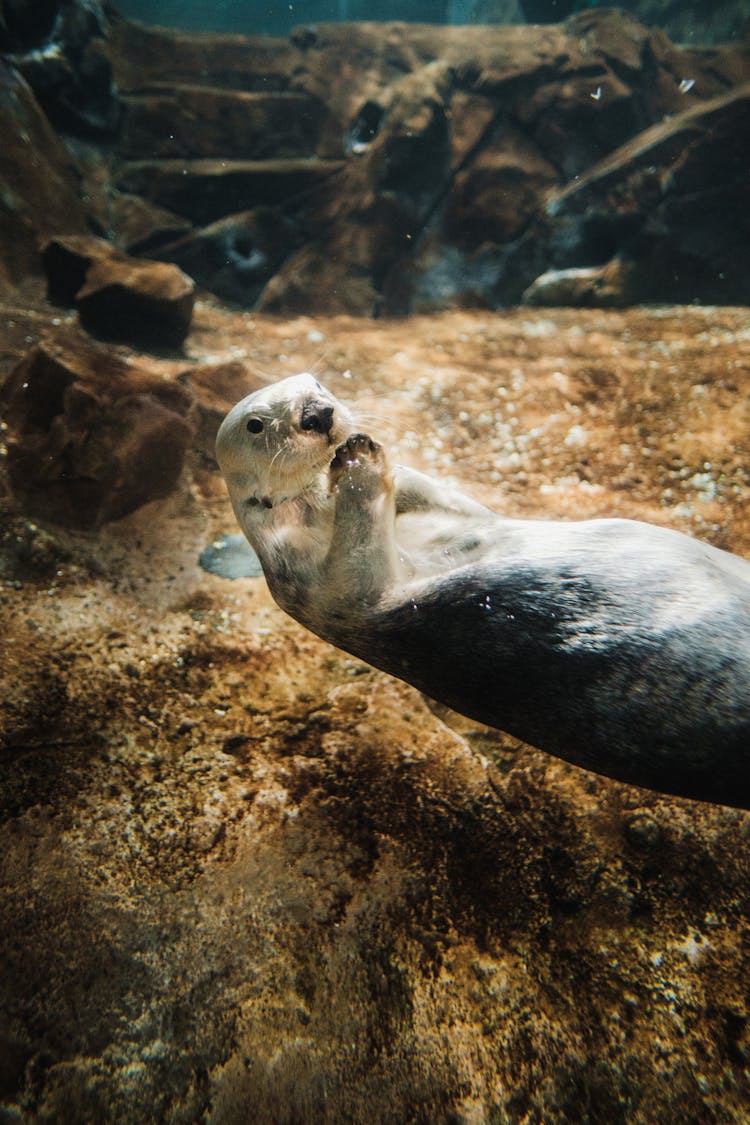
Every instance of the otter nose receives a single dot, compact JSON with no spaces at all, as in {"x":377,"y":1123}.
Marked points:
{"x":316,"y":416}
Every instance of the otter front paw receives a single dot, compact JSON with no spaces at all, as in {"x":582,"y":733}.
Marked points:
{"x":359,"y":463}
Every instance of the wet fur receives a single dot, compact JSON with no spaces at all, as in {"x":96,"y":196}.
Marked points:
{"x":617,"y":645}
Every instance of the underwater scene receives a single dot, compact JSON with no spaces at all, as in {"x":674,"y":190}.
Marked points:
{"x":374,"y":562}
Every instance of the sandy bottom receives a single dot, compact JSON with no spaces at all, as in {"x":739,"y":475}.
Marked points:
{"x":245,"y":878}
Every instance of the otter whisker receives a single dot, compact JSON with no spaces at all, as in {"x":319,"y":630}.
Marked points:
{"x":279,"y":455}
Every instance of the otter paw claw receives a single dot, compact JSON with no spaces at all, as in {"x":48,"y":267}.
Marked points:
{"x":359,"y":463}
{"x":353,"y":451}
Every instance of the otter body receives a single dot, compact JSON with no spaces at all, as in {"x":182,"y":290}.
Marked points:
{"x":616,"y":645}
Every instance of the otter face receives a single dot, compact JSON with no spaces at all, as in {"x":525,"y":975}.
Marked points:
{"x":274,"y":444}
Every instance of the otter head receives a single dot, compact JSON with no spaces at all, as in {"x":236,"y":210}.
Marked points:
{"x":275,"y":444}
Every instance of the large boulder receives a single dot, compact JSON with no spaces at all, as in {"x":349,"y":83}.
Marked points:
{"x":683,"y":20}
{"x":607,"y":286}
{"x":145,"y":58}
{"x":137,"y":225}
{"x":215,"y":387}
{"x":91,"y":436}
{"x":382,"y":202}
{"x":67,"y":260}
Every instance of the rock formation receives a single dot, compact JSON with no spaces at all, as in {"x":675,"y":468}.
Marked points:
{"x":421,"y":166}
{"x":670,"y":205}
{"x":374,"y":168}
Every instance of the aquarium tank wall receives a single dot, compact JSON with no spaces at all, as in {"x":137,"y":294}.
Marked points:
{"x":685,"y":22}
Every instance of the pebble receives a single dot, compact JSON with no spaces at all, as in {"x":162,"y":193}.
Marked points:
{"x":643,"y":832}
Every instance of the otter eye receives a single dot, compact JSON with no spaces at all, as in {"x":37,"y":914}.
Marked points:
{"x":254,"y":425}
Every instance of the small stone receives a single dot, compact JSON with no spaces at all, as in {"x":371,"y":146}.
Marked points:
{"x":606,"y":286}
{"x":28,"y":552}
{"x":230,"y":556}
{"x":235,"y":743}
{"x":643,"y":832}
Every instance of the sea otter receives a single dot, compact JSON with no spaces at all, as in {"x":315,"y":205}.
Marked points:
{"x":617,"y":645}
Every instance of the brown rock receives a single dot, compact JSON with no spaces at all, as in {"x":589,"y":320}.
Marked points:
{"x":673,"y":200}
{"x":450,"y":138}
{"x":206,"y":190}
{"x":117,"y":297}
{"x":332,"y":276}
{"x":137,"y":226}
{"x":38,"y":182}
{"x":729,"y":63}
{"x":66,"y":262}
{"x":144,"y":303}
{"x":236,"y":256}
{"x":90,"y":436}
{"x":523,"y":110}
{"x":148,"y":57}
{"x":381,"y":203}
{"x":494,"y":197}
{"x":610,"y":286}
{"x":718,"y":22}
{"x":215,"y":388}
{"x":204,"y":122}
